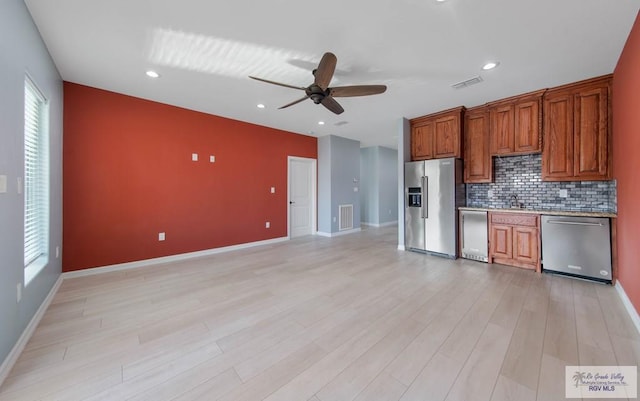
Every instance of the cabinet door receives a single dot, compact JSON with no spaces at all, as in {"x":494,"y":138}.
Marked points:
{"x":502,"y":141}
{"x":422,"y":141}
{"x":501,"y":242}
{"x":525,"y":245}
{"x":590,"y":148}
{"x":557,"y":155}
{"x":477,"y":156}
{"x":527,"y":127}
{"x":447,"y":137}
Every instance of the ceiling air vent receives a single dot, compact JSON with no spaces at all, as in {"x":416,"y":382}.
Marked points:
{"x":468,"y":82}
{"x":339,"y":123}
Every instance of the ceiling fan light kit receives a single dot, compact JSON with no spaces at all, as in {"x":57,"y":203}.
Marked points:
{"x":320,"y":92}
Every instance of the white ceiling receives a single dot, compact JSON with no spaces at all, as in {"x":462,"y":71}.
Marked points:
{"x":205,"y":49}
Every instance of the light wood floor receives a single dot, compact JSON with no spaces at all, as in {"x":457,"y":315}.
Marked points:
{"x":323,"y":319}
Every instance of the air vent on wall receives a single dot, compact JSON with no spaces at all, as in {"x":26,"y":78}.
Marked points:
{"x":339,"y":123}
{"x":468,"y":82}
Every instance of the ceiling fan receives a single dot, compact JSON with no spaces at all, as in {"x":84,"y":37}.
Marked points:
{"x":320,"y":92}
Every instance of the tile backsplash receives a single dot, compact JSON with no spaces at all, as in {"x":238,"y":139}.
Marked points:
{"x":522,"y":176}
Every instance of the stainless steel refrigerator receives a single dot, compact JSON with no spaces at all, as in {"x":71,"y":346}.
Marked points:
{"x":434,"y":190}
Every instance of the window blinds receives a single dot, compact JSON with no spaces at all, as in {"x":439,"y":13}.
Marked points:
{"x":36,"y":173}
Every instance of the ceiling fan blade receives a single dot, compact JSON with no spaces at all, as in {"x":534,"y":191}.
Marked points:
{"x":357,"y":90}
{"x":331,"y":104}
{"x":276,"y":83}
{"x":325,"y":70}
{"x":294,"y":102}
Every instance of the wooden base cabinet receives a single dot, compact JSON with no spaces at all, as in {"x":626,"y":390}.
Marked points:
{"x":514,"y":240}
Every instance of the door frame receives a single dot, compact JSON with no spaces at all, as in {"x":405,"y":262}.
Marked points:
{"x":313,"y":184}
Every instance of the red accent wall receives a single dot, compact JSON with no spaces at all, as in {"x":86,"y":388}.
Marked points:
{"x":128,"y":175}
{"x":626,"y":159}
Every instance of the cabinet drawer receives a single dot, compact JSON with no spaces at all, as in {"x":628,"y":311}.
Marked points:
{"x":516,"y":219}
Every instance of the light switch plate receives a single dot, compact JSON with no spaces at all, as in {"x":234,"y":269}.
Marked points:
{"x":3,"y":184}
{"x":273,"y":190}
{"x":194,"y":157}
{"x":267,"y":225}
{"x":161,"y":236}
{"x":212,"y":159}
{"x":563,"y":193}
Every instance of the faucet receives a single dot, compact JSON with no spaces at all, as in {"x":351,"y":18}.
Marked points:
{"x":514,"y":202}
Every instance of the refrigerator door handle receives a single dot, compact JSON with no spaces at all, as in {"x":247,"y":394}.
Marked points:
{"x":425,"y":197}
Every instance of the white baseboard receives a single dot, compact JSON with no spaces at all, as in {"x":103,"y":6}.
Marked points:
{"x":631,"y":310}
{"x":401,"y":248}
{"x":387,"y":224}
{"x":166,"y":259}
{"x":17,"y":349}
{"x":339,"y":233}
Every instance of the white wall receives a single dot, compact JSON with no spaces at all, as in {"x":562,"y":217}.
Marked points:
{"x":21,"y":51}
{"x":404,"y":155}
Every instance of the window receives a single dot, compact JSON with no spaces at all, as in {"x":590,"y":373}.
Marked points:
{"x":36,"y":181}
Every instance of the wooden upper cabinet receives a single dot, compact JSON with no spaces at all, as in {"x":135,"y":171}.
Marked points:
{"x":502,"y":134}
{"x":528,"y":122}
{"x":557,"y":156}
{"x":590,"y":137}
{"x":422,"y":141}
{"x":577,"y":137}
{"x":516,"y":124}
{"x":447,"y":136}
{"x":477,"y":155}
{"x":437,"y":135}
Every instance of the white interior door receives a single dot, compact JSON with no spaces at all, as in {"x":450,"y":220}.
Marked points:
{"x":302,"y":197}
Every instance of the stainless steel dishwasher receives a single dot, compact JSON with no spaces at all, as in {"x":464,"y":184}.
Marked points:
{"x":577,"y":246}
{"x":473,"y":235}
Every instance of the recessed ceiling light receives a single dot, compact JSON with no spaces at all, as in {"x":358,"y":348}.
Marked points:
{"x":490,"y":65}
{"x":261,"y":106}
{"x":441,"y":1}
{"x":320,"y":122}
{"x":152,"y":74}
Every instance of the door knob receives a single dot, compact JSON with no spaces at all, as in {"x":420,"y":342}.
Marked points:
{"x":291,"y":202}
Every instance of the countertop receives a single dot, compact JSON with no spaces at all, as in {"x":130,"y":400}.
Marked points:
{"x":549,"y":212}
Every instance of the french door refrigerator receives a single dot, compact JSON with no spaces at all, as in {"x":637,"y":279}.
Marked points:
{"x":434,"y":190}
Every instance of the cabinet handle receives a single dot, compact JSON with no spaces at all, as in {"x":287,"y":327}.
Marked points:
{"x":573,"y":223}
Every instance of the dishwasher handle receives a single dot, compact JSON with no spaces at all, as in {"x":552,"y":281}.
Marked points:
{"x":574,"y":223}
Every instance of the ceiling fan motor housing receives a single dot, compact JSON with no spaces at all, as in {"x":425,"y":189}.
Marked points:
{"x":316,"y":93}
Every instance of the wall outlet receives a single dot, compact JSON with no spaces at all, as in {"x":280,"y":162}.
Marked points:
{"x":19,"y":292}
{"x":161,"y":236}
{"x":19,"y":186}
{"x":563,"y":193}
{"x":355,"y":189}
{"x":212,"y":159}
{"x":3,"y":184}
{"x":267,"y":225}
{"x":490,"y":193}
{"x":334,"y":219}
{"x":194,"y":157}
{"x":273,"y":190}
{"x":57,"y":251}
{"x":389,"y":211}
